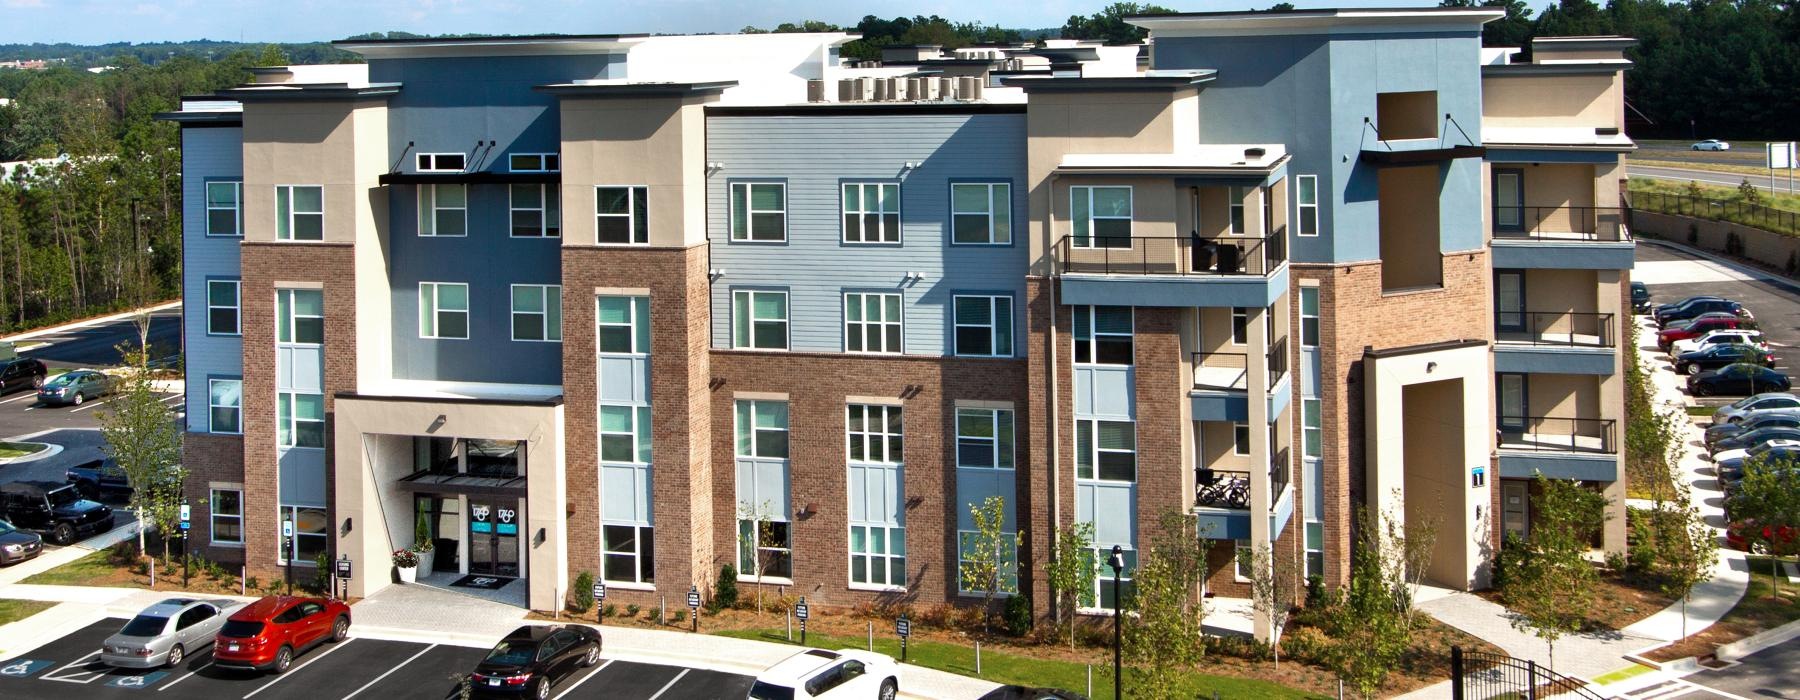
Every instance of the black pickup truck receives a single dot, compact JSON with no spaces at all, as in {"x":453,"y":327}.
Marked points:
{"x":99,"y":478}
{"x":54,"y":510}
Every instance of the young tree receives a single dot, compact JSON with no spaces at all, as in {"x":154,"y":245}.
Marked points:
{"x":986,"y":556}
{"x":1071,"y":572}
{"x":143,"y":439}
{"x":1765,"y":505}
{"x":1551,"y":587}
{"x":1273,"y":594}
{"x":1162,"y":632}
{"x":756,"y":543}
{"x":1367,"y":622}
{"x":1406,"y":549}
{"x":1688,"y":547}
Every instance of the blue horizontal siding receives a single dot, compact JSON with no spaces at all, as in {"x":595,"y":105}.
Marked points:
{"x":206,"y":154}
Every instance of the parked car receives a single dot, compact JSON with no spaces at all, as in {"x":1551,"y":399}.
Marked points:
{"x":532,"y":659}
{"x":1704,"y":306}
{"x":166,"y":633}
{"x":1741,"y":379}
{"x":1755,"y":405}
{"x":18,"y":545}
{"x":99,"y":477}
{"x":1659,"y":308}
{"x":269,"y":633}
{"x":1757,"y":437}
{"x":54,"y":510}
{"x":1699,"y":326}
{"x":817,"y":673}
{"x":73,"y":388}
{"x":1640,"y":297}
{"x":1019,"y":692}
{"x":1742,"y":534}
{"x":21,"y":373}
{"x":1712,"y":145}
{"x":1754,"y":421}
{"x":1721,"y":355}
{"x":1731,"y":466}
{"x":1739,"y":336}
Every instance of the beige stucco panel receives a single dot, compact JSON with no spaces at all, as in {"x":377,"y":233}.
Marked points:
{"x":1553,"y":100}
{"x":335,"y":144}
{"x":657,"y":142}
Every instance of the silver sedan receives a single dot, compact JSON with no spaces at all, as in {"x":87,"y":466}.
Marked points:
{"x":165,"y":634}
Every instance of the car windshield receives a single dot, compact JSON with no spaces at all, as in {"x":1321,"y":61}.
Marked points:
{"x":770,"y":691}
{"x":144,"y":626}
{"x":65,"y":379}
{"x":63,"y":497}
{"x":510,"y":654}
{"x":5,"y":528}
{"x":240,"y":628}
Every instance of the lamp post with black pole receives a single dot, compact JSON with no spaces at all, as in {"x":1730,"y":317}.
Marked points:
{"x":1117,"y":562}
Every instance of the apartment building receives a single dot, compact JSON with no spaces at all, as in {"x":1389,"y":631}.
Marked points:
{"x":650,"y":306}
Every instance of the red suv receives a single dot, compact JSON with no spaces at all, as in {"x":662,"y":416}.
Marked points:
{"x":1700,"y":326}
{"x":267,"y":635}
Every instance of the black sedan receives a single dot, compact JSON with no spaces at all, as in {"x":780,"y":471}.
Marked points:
{"x":1741,"y":379}
{"x":72,"y":388}
{"x":1716,"y":434}
{"x":1747,"y":440}
{"x":1640,"y":297}
{"x":21,"y":373}
{"x":1660,"y":309}
{"x":1704,"y":306}
{"x":533,"y":659}
{"x":1721,"y":355}
{"x":18,"y":545}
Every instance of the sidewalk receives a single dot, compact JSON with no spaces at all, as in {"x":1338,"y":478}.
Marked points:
{"x":84,"y":323}
{"x":52,"y":559}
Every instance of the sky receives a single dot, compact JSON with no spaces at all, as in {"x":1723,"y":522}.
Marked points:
{"x":105,"y":21}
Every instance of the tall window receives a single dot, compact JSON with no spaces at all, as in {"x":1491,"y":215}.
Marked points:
{"x":984,"y":438}
{"x":624,"y":324}
{"x":227,"y":515}
{"x":877,"y":534}
{"x":981,"y":213}
{"x":299,"y":419}
{"x":444,"y":310}
{"x":871,"y":212}
{"x":1103,"y":335}
{"x":1236,"y":208}
{"x":300,"y":316}
{"x":536,"y":210}
{"x":984,"y":326}
{"x":1309,"y":317}
{"x":299,"y":213}
{"x":222,"y":307}
{"x":443,"y":210}
{"x":622,"y":215}
{"x":312,"y":528}
{"x":1105,"y":591}
{"x":537,"y":312}
{"x":225,"y":405}
{"x":1105,"y":450}
{"x":759,"y":211}
{"x":762,"y":429}
{"x":224,"y":208}
{"x":1240,"y":325}
{"x":629,"y":553}
{"x":624,"y":433}
{"x":872,"y":323}
{"x":765,"y":537}
{"x":1312,"y":430}
{"x":1101,"y":216}
{"x":967,"y":543}
{"x":759,"y":320}
{"x":1307,"y":199}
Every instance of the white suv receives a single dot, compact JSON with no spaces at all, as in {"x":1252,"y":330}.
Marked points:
{"x":1723,"y":335}
{"x":817,"y":673}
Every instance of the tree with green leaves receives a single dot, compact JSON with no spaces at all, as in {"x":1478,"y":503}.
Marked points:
{"x":1367,"y":623}
{"x":1071,"y":571}
{"x":987,"y":556}
{"x":143,"y":439}
{"x":1551,"y":585}
{"x":1109,"y":25}
{"x":756,"y":543}
{"x":1273,"y":593}
{"x":1765,"y":506}
{"x":1686,"y":546}
{"x":1163,"y":630}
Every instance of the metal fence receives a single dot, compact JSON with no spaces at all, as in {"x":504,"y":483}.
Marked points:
{"x":1171,"y":255}
{"x":1477,"y":675}
{"x":1733,"y":210}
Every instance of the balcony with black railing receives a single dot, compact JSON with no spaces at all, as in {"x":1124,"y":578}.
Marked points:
{"x":1229,"y":489}
{"x":1553,"y":434}
{"x":1556,"y":328}
{"x":1186,"y":256}
{"x":1560,"y":223}
{"x":1229,"y":371}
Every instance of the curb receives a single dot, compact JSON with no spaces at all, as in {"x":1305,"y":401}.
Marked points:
{"x":1756,"y":274}
{"x":50,"y":450}
{"x":97,"y":320}
{"x":1757,"y":642}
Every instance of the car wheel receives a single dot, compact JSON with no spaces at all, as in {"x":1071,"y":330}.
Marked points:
{"x":284,"y":659}
{"x":62,"y":534}
{"x":340,"y":630}
{"x":37,"y":382}
{"x":78,"y":398}
{"x":1699,"y":390}
{"x":593,"y":656}
{"x":889,"y":689}
{"x":176,"y":656}
{"x":541,"y":691}
{"x":1690,"y":369}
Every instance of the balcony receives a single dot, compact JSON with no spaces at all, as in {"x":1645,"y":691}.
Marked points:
{"x":1585,"y":449}
{"x":1221,"y":384}
{"x":1173,"y":271}
{"x":1564,"y":238}
{"x":1223,"y":495}
{"x":1556,"y":342}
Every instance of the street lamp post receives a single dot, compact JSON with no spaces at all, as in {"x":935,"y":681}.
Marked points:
{"x":1117,"y":562}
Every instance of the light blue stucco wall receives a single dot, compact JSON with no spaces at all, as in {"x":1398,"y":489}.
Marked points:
{"x":813,"y":155}
{"x":211,"y":153}
{"x":1311,"y":92}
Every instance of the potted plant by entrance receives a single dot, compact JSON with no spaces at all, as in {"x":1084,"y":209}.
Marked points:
{"x":407,"y":561}
{"x":422,"y":543}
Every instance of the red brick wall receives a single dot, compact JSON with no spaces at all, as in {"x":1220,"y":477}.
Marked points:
{"x":210,"y":458}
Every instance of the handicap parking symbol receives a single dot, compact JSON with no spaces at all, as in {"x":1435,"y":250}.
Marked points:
{"x":22,"y":668}
{"x":137,"y":682}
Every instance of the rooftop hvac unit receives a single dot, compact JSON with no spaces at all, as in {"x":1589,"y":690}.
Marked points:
{"x":897,"y":89}
{"x":846,"y":90}
{"x":946,"y":89}
{"x":884,"y":91}
{"x":815,"y":91}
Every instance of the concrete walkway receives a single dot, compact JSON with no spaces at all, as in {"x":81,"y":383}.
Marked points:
{"x":52,"y":559}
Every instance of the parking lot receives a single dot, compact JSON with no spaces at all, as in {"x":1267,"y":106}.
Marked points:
{"x":1673,"y":275}
{"x":357,"y":668}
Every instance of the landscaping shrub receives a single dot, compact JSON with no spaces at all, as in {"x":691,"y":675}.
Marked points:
{"x":725,"y":592}
{"x":1017,"y":615}
{"x":581,"y":599}
{"x":252,"y":584}
{"x":679,"y":617}
{"x":632,"y":610}
{"x":609,"y":610}
{"x":122,"y":552}
{"x":1512,"y":555}
{"x":1241,"y":647}
{"x":1734,"y":245}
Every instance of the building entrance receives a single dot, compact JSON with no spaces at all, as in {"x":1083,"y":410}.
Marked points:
{"x":494,"y":537}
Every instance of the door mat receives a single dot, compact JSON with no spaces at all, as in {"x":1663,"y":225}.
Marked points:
{"x":491,"y":583}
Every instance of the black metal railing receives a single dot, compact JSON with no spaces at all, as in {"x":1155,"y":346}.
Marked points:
{"x":1221,"y":370}
{"x":1278,"y":473}
{"x":1278,"y":360}
{"x":1222,"y":488}
{"x":1171,"y":255}
{"x":1549,"y":434}
{"x":1560,"y":223}
{"x":1734,"y":210}
{"x":1569,"y":328}
{"x":1479,"y":675}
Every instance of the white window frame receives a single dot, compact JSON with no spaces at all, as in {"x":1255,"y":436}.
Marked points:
{"x":642,"y":535}
{"x":1312,"y":428}
{"x":547,"y":162}
{"x":739,"y":414}
{"x":749,"y":319}
{"x":1317,"y":329}
{"x":859,"y":328}
{"x":883,"y":555}
{"x":749,"y":218}
{"x":1093,"y":336}
{"x":1237,"y":222}
{"x":287,"y":423}
{"x":549,"y":210}
{"x":635,"y":195}
{"x":1247,"y":448}
{"x":881,"y":451}
{"x":548,"y":332}
{"x":637,"y":326}
{"x":237,"y":307}
{"x":1240,"y":314}
{"x":436,"y":308}
{"x":1087,"y":192}
{"x":236,"y":208}
{"x":637,"y":432}
{"x":1304,"y":208}
{"x":284,"y":298}
{"x":1242,"y":552}
{"x":212,"y":424}
{"x":435,"y":162}
{"x":874,"y":432}
{"x":1003,"y":456}
{"x":998,"y":199}
{"x":285,"y":228}
{"x":1090,"y":427}
{"x":429,"y":208}
{"x":1103,"y":576}
{"x":752,"y":570}
{"x":1306,"y":544}
{"x":214,"y":517}
{"x":1009,"y":563}
{"x":285,"y":512}
{"x":995,"y":319}
{"x":864,"y":214}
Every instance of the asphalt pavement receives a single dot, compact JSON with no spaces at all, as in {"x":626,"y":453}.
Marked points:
{"x":96,"y":345}
{"x":1672,"y":275}
{"x":1770,"y":673}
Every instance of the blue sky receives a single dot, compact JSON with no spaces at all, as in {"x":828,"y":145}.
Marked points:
{"x":102,"y":21}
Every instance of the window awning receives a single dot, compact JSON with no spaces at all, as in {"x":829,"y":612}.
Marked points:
{"x":445,"y":482}
{"x":480,"y":177}
{"x":1421,"y":156}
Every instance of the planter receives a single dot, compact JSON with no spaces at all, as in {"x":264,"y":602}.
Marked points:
{"x":425,"y":560}
{"x":408,"y":574}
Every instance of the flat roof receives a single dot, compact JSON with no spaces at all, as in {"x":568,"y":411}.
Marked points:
{"x":1555,"y":138}
{"x":309,"y":91}
{"x":529,"y":45}
{"x":1335,"y":20}
{"x":626,"y":88}
{"x":1220,"y":159}
{"x":1148,"y":80}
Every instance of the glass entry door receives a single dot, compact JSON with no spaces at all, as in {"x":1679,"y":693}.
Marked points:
{"x":1509,"y":301}
{"x":494,"y":536}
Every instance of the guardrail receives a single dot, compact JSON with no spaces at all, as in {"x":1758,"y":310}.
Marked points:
{"x":1551,"y":434}
{"x":1566,"y":328}
{"x":1560,"y":223}
{"x":1171,"y":255}
{"x":1733,"y":210}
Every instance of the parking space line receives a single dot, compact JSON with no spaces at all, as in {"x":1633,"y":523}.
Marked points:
{"x":87,"y":406}
{"x":672,"y":682}
{"x":390,"y":671}
{"x":85,"y":659}
{"x":584,"y":679}
{"x":190,"y":674}
{"x":290,"y":672}
{"x":31,"y":395}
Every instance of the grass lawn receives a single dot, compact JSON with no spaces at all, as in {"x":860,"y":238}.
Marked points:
{"x":1732,"y":168}
{"x":92,"y":570}
{"x":1760,"y":609}
{"x":1009,"y":668}
{"x":1701,"y":411}
{"x":1726,"y":197}
{"x":14,"y":450}
{"x":16,"y":610}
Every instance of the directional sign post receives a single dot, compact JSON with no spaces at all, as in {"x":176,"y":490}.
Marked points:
{"x":185,"y":514}
{"x":287,"y":550}
{"x":343,"y":574}
{"x":800,"y":612}
{"x":694,"y":606}
{"x":599,"y":601}
{"x":903,"y":627}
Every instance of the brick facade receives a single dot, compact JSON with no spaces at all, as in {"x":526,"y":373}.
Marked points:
{"x":210,"y":459}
